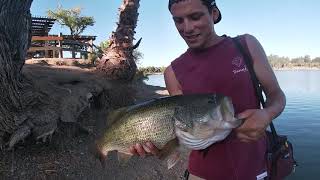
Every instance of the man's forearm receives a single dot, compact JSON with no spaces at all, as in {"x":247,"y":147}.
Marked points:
{"x":275,"y":103}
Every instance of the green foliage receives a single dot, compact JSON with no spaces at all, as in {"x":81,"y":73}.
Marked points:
{"x":306,"y":59}
{"x":143,"y":72}
{"x":75,"y":63}
{"x":104,"y":45}
{"x":61,"y":63}
{"x":137,"y":55}
{"x":277,"y":61}
{"x":298,"y":60}
{"x":72,"y":19}
{"x":285,"y":62}
{"x":316,"y":60}
{"x":152,"y":70}
{"x":93,"y":57}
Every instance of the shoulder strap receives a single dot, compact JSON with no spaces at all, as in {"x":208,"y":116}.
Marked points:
{"x":258,"y":87}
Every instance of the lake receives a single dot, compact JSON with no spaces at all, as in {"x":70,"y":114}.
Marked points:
{"x":300,"y":119}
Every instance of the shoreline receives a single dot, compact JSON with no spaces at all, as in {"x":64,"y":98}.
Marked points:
{"x":298,"y":69}
{"x":275,"y":69}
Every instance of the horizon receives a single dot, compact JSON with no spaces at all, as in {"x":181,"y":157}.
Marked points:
{"x":284,"y":28}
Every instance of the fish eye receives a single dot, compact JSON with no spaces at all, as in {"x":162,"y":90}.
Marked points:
{"x":212,"y":100}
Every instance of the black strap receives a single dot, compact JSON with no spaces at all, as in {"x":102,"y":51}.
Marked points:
{"x":255,"y":81}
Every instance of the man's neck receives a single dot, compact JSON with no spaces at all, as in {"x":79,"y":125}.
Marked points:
{"x":215,"y":40}
{"x":212,"y":42}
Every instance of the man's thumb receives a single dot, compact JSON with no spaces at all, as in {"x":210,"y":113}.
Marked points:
{"x":245,"y":114}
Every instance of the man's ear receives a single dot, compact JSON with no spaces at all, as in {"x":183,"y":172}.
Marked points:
{"x":215,"y":14}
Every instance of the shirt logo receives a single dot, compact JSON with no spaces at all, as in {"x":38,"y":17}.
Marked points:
{"x":237,"y":61}
{"x":238,"y":65}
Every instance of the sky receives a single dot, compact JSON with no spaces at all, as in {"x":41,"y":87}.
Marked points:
{"x":289,"y":28}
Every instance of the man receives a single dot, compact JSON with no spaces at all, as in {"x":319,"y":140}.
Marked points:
{"x":213,"y":63}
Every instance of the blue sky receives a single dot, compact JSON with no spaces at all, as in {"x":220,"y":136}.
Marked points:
{"x":284,"y":27}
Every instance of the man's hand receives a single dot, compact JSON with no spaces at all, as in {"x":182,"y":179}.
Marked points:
{"x":254,"y":126}
{"x":145,"y":149}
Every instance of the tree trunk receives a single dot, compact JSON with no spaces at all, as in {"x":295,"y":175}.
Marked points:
{"x":15,"y":27}
{"x":73,"y":52}
{"x":19,"y":100}
{"x":118,"y":61}
{"x":34,"y":100}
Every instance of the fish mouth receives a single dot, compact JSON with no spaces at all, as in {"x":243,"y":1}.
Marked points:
{"x":204,"y":134}
{"x":213,"y":128}
{"x":196,"y":143}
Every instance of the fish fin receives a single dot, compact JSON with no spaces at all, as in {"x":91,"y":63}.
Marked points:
{"x":227,"y":109}
{"x":99,"y":155}
{"x":103,"y":160}
{"x":168,"y":148}
{"x":173,"y":159}
{"x":170,"y":153}
{"x":116,"y":114}
{"x":123,"y":158}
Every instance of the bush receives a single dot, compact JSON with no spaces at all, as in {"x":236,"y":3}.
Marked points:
{"x":61,"y":63}
{"x":75,"y":63}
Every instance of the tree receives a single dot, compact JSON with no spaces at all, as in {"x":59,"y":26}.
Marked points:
{"x":316,"y":60}
{"x":104,"y":45}
{"x":118,"y":61}
{"x":137,"y":55}
{"x":12,"y":54}
{"x":306,"y":59}
{"x":72,"y":18}
{"x":278,"y":62}
{"x":298,"y":60}
{"x":21,"y":106}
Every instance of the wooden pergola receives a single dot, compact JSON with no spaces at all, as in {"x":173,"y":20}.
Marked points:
{"x":41,"y":26}
{"x":52,"y":46}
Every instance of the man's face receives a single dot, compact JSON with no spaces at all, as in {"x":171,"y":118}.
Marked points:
{"x":194,"y":23}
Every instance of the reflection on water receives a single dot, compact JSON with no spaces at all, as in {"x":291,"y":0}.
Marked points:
{"x":300,"y":119}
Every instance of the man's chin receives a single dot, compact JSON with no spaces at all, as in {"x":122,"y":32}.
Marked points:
{"x":194,"y":46}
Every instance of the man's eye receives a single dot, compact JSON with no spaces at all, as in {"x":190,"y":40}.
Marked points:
{"x":178,"y":20}
{"x":195,"y":17}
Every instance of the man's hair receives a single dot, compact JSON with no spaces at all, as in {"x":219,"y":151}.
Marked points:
{"x":210,"y":4}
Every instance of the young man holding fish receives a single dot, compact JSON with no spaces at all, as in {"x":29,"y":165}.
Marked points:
{"x":213,"y":64}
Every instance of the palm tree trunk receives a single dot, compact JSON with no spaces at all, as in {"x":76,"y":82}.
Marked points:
{"x":118,"y":61}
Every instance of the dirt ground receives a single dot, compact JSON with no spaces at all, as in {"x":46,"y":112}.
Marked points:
{"x":69,"y":156}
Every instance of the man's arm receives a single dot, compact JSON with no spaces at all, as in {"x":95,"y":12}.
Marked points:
{"x":258,"y":120}
{"x":172,"y":84}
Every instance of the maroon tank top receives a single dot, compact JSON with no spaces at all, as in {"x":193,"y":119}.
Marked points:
{"x":221,"y":69}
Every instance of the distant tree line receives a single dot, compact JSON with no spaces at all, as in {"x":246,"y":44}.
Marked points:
{"x":143,"y":72}
{"x":275,"y":61}
{"x":278,"y":62}
{"x":152,"y":70}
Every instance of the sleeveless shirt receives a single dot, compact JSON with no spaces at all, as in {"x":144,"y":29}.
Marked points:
{"x":221,"y":69}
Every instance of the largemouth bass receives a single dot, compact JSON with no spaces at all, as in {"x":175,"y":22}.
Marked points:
{"x":198,"y":119}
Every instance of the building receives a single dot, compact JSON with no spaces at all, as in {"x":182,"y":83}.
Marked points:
{"x":45,"y":45}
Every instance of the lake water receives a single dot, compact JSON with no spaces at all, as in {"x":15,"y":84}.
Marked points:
{"x":300,"y":119}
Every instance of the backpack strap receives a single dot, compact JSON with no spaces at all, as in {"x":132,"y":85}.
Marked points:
{"x":240,"y":44}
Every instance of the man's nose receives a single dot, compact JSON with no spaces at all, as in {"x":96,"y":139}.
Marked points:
{"x":188,"y":27}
